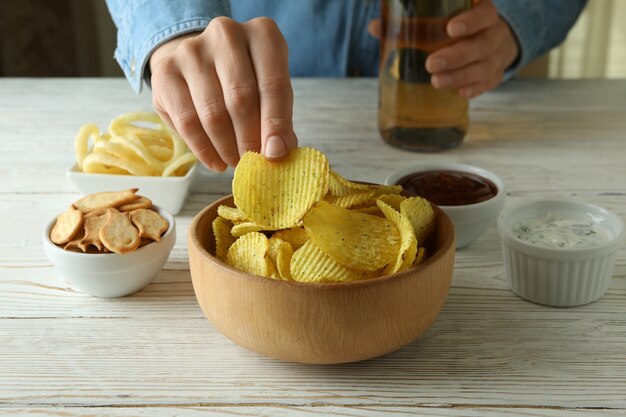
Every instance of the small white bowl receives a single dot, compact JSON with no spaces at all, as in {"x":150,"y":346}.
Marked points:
{"x":555,"y":276}
{"x":110,"y":275}
{"x":167,"y":192}
{"x":471,"y":220}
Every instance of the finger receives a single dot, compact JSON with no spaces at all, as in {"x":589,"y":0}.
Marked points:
{"x":375,"y":28}
{"x":178,"y":110}
{"x":238,"y":83}
{"x":207,"y":97}
{"x":464,"y":52}
{"x":478,"y":18}
{"x":474,"y":90}
{"x":269,"y":54}
{"x":481,"y":71}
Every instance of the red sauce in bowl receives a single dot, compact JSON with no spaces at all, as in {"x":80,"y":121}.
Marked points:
{"x":449,"y":188}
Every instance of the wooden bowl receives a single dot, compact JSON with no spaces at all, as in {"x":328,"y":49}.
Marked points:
{"x":320,"y":323}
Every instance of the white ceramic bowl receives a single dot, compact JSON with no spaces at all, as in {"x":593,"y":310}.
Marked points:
{"x":561,"y":277}
{"x":110,"y":275}
{"x":167,"y":192}
{"x":471,"y":220}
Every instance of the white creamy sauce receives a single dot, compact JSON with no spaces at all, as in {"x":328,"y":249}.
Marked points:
{"x":553,"y":231}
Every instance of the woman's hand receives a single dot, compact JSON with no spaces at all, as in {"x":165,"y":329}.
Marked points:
{"x":227,"y":90}
{"x":484,"y":48}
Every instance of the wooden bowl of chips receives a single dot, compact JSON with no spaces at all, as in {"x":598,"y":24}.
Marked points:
{"x":320,"y":323}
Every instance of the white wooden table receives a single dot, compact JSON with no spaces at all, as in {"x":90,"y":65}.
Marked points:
{"x":490,"y":353}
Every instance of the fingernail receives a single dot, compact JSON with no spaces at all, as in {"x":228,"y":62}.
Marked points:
{"x":440,"y":81}
{"x":456,"y":29}
{"x":436,"y":64}
{"x":275,"y":147}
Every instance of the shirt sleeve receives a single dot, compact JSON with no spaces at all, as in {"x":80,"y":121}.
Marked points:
{"x":143,"y":25}
{"x":538,"y":25}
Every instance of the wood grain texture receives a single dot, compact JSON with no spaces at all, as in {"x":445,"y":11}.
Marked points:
{"x":489,"y":352}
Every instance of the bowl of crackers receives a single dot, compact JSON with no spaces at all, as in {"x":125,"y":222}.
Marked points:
{"x":303,"y":265}
{"x":110,"y":244}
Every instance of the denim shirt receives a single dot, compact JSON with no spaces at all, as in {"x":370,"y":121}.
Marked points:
{"x":326,"y":38}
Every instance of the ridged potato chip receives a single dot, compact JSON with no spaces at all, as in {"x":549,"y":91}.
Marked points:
{"x":277,"y":195}
{"x":223,"y":238}
{"x":408,"y":247}
{"x":249,"y":254}
{"x":351,"y":200}
{"x":356,"y":240}
{"x":241,"y":229}
{"x":339,"y":186}
{"x":421,"y":215}
{"x":232,"y":213}
{"x":280,"y":252}
{"x":296,"y":236}
{"x":311,"y":264}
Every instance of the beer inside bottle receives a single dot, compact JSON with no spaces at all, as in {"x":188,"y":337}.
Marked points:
{"x":412,"y":114}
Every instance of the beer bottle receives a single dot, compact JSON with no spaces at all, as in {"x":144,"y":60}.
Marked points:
{"x":412,"y":114}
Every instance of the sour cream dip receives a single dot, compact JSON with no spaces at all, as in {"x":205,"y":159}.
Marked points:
{"x":552,"y":230}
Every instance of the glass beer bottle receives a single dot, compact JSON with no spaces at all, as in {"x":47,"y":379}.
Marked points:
{"x":412,"y":114}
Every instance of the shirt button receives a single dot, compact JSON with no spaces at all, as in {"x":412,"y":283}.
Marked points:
{"x":132,"y":67}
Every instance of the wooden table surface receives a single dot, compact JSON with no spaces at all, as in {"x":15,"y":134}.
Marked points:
{"x":489,"y":353}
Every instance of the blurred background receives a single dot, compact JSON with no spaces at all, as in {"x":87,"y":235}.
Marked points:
{"x":68,"y":38}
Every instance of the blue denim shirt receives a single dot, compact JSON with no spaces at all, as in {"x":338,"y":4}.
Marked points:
{"x":326,"y":38}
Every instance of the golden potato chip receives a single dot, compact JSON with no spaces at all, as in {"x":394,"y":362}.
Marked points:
{"x":280,"y":252}
{"x":93,"y":224}
{"x":421,"y":255}
{"x":421,"y":215}
{"x":296,"y":236}
{"x":246,"y":227}
{"x":373,"y":210}
{"x":223,"y":238}
{"x":140,"y":202}
{"x":118,"y":234}
{"x":408,"y":247}
{"x":232,"y":213}
{"x":393,"y":200}
{"x":186,"y":160}
{"x":106,"y":199}
{"x":311,"y":264}
{"x":351,"y":200}
{"x":356,"y":240}
{"x":67,"y":225}
{"x":150,"y":224}
{"x":339,"y":186}
{"x":249,"y":254}
{"x":276,"y":195}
